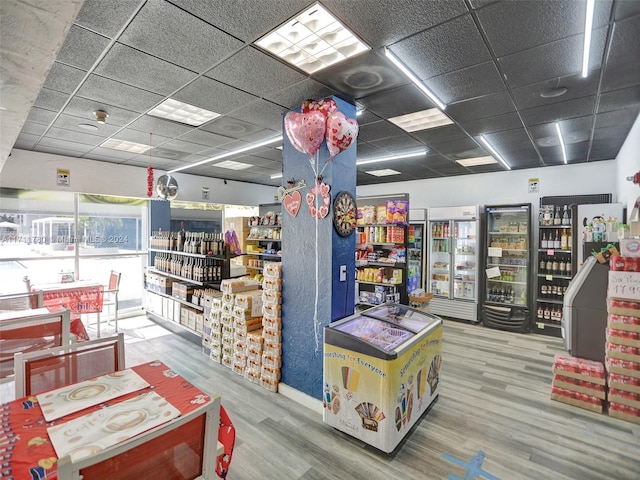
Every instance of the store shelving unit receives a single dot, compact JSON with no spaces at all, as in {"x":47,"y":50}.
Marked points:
{"x":381,"y":261}
{"x":266,"y":237}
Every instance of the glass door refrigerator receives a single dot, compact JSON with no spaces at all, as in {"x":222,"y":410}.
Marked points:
{"x":381,"y":372}
{"x":415,"y":249}
{"x":453,"y":262}
{"x":506,"y":295}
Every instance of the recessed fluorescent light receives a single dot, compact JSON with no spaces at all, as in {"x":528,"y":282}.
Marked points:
{"x":494,"y":153}
{"x":183,"y":112}
{"x":422,"y":120}
{"x":475,"y":161}
{"x":228,"y":154}
{"x":312,"y":41}
{"x":403,"y":68}
{"x":231,"y":165}
{"x":125,"y":146}
{"x":383,"y":173}
{"x":391,"y":157}
{"x":588,"y":26}
{"x":564,"y":150}
{"x":276,"y":175}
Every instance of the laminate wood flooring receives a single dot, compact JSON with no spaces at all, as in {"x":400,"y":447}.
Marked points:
{"x":494,"y":398}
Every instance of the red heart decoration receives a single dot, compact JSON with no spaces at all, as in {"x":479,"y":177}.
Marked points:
{"x":292,"y":203}
{"x":343,"y":132}
{"x":323,"y":211}
{"x":310,"y":197}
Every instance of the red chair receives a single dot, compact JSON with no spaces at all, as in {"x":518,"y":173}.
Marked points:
{"x":56,"y":367}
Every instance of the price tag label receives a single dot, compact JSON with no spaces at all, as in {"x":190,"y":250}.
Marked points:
{"x":549,"y":277}
{"x":494,"y":252}
{"x":540,"y":325}
{"x":550,"y":251}
{"x":493,"y":272}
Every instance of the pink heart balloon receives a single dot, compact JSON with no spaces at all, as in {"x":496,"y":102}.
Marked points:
{"x":340,"y":133}
{"x":305,"y":130}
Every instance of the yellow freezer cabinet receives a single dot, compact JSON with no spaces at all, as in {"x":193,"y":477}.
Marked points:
{"x":381,"y":374}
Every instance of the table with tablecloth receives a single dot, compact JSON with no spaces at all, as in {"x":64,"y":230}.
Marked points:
{"x":26,"y":450}
{"x":80,"y":297}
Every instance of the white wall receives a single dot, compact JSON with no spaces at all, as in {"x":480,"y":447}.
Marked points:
{"x":504,"y":187}
{"x":35,"y":170}
{"x":628,"y":163}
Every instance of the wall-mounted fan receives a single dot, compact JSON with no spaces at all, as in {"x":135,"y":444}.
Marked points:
{"x":167,"y":187}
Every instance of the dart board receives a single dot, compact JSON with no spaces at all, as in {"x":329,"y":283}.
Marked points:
{"x":344,"y":213}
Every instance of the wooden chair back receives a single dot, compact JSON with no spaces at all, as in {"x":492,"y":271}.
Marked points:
{"x":56,"y":367}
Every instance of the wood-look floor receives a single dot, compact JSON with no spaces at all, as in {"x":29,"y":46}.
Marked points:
{"x":494,"y":398}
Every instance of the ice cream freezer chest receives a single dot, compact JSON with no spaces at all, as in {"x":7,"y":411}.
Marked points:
{"x":381,"y":372}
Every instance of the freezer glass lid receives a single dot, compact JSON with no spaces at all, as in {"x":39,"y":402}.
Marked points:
{"x":376,"y":332}
{"x":407,"y":317}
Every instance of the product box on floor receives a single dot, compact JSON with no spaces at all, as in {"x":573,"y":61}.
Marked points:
{"x":622,"y":367}
{"x":626,"y":308}
{"x":624,"y":398}
{"x":580,"y":386}
{"x":623,"y":352}
{"x":623,"y":382}
{"x":576,"y":399}
{"x":623,"y":323}
{"x":579,"y":368}
{"x":624,"y":412}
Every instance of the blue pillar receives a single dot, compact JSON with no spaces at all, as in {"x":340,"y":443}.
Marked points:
{"x":312,"y":253}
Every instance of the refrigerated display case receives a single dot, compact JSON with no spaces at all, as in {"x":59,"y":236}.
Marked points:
{"x":416,"y":249}
{"x":569,"y":228}
{"x":506,"y":297}
{"x":453,"y":262}
{"x":381,"y":372}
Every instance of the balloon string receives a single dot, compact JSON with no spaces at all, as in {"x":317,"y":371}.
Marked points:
{"x":316,"y":323}
{"x":326,"y":162}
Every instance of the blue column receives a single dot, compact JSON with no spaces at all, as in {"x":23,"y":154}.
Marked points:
{"x":312,"y":254}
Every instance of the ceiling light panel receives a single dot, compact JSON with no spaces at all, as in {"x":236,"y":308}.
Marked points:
{"x":388,"y":158}
{"x":183,"y":113}
{"x":231,"y":165}
{"x":383,"y":173}
{"x":423,"y":120}
{"x":476,"y":161}
{"x":125,"y":146}
{"x":312,"y":41}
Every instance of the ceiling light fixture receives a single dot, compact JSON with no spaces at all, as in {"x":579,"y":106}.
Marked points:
{"x":231,"y":165}
{"x":312,"y":40}
{"x":101,"y":116}
{"x":588,"y":26}
{"x":383,"y":173}
{"x":228,"y":154}
{"x":125,"y":146}
{"x":392,"y":157}
{"x":476,"y":161}
{"x":403,"y":68}
{"x":422,"y":120}
{"x":495,"y":154}
{"x":276,"y":175}
{"x":564,"y":150}
{"x":183,"y":112}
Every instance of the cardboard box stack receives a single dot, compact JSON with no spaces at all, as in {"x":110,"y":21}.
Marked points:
{"x":230,"y":288}
{"x":271,"y":326}
{"x":247,"y":317}
{"x":578,"y":382}
{"x":623,"y":337}
{"x":214,"y":326}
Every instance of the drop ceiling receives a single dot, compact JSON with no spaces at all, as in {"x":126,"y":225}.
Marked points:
{"x":495,"y":64}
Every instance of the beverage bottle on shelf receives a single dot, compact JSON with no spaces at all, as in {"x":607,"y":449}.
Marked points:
{"x":565,"y":216}
{"x":547,"y":313}
{"x":545,"y":242}
{"x":561,"y":268}
{"x":556,"y":240}
{"x":569,"y":239}
{"x":549,"y":268}
{"x":554,"y":290}
{"x":543,"y":290}
{"x":557,"y":220}
{"x":540,"y":312}
{"x":543,"y":264}
{"x":563,"y":240}
{"x":554,"y":266}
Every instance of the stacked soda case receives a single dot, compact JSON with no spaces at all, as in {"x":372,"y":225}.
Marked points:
{"x":247,"y":317}
{"x":212,"y":333}
{"x":579,"y":382}
{"x":623,"y":338}
{"x":270,"y":360}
